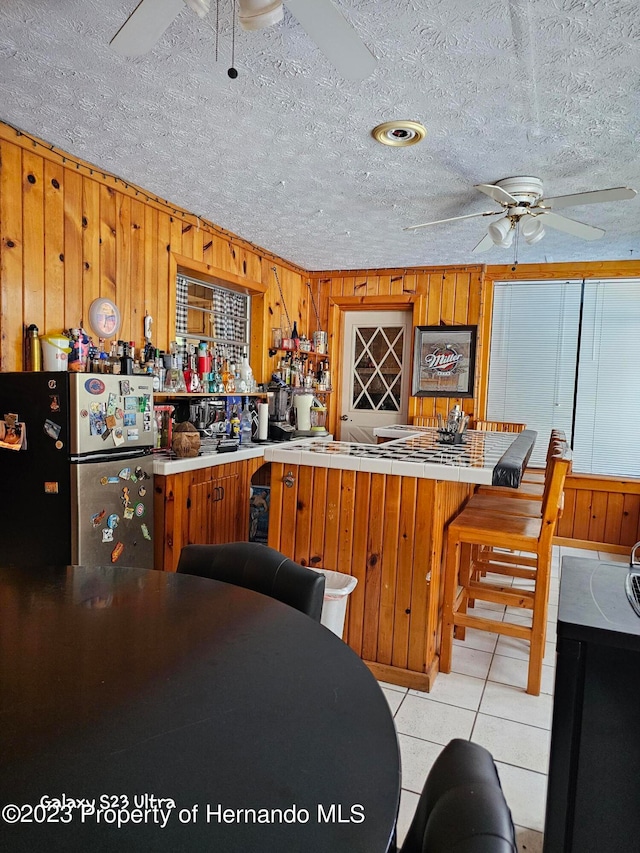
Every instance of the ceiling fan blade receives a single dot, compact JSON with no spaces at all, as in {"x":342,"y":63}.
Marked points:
{"x":570,"y":226}
{"x":453,"y":219}
{"x":335,"y":37}
{"x":484,"y":245}
{"x":497,"y":193}
{"x":593,"y":197}
{"x":145,"y":25}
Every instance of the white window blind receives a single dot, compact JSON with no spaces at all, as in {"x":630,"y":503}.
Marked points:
{"x":532,"y":363}
{"x":608,"y":397}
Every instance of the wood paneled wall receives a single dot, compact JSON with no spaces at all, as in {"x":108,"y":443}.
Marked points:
{"x":446,"y":296}
{"x":70,"y":233}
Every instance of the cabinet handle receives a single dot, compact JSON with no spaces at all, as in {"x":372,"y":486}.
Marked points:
{"x":221,"y":493}
{"x":289,"y":479}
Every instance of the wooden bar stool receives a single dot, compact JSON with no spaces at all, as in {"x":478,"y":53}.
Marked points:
{"x":473,"y":529}
{"x":532,"y":475}
{"x":529,"y":490}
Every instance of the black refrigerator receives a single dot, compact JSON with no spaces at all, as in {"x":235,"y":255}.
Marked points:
{"x":76,"y":466}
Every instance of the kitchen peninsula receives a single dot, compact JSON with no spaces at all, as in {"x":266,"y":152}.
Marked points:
{"x":379,"y":512}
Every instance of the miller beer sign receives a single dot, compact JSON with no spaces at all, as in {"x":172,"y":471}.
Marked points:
{"x":444,"y":361}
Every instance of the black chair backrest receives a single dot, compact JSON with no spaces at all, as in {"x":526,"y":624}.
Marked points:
{"x":462,"y":806}
{"x":259,"y":568}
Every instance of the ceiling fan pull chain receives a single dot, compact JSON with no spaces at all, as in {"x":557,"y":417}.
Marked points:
{"x":217,"y":26}
{"x":232,"y":72}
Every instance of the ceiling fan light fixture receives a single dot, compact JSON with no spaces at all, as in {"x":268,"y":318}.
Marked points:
{"x":399,"y":134}
{"x":258,"y":14}
{"x":532,"y":229}
{"x":501,"y":232}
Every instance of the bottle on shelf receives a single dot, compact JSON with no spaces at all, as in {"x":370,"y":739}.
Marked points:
{"x":246,"y":374}
{"x":295,"y":337}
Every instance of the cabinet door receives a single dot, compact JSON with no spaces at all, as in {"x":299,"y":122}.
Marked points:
{"x":213,"y":509}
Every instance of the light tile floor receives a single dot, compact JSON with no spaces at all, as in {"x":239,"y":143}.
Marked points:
{"x":483,"y":699}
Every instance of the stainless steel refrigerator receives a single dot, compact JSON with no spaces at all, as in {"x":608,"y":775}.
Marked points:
{"x":76,"y":469}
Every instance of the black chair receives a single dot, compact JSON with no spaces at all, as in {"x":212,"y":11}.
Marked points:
{"x":259,"y":568}
{"x":462,"y":808}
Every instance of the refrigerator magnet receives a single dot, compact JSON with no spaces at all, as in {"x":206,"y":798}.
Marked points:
{"x":117,"y":551}
{"x":133,"y":435}
{"x":142,"y":491}
{"x":51,"y":488}
{"x":124,"y":473}
{"x":131,"y":404}
{"x":112,"y":521}
{"x":139,"y":510}
{"x":96,"y":519}
{"x":54,"y":403}
{"x":125,"y":387}
{"x":145,"y":531}
{"x":128,"y":513}
{"x":111,"y":404}
{"x":126,"y":500}
{"x":52,"y":429}
{"x":129,"y":419}
{"x":107,"y":534}
{"x":94,"y":386}
{"x":118,"y":436}
{"x":111,"y":422}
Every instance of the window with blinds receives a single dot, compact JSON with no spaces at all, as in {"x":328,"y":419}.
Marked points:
{"x":532,"y":363}
{"x":207,"y":312}
{"x":607,"y":426}
{"x":565,"y":355}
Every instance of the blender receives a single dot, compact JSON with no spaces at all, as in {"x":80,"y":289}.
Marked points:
{"x":280,"y":428}
{"x":318,"y":418}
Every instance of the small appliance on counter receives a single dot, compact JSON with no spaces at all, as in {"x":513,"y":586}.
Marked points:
{"x":310,"y":415}
{"x":280,"y":428}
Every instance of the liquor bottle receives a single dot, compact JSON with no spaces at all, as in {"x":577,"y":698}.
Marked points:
{"x":234,"y":421}
{"x":227,"y":376}
{"x":245,"y":424}
{"x":246,"y":374}
{"x":126,"y":361}
{"x":295,"y":337}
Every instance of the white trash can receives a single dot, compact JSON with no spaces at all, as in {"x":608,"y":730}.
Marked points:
{"x":334,"y":607}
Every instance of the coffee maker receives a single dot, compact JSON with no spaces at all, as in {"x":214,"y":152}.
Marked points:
{"x":280,"y":428}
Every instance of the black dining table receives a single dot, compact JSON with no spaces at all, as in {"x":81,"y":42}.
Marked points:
{"x":144,"y":710}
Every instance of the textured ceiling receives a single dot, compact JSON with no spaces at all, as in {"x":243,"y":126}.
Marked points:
{"x":283,"y":155}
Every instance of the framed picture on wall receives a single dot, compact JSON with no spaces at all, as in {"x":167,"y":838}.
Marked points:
{"x":444,"y":360}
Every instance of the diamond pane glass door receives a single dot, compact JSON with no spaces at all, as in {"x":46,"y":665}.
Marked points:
{"x":375,"y":381}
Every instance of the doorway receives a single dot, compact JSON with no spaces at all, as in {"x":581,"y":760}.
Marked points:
{"x":376,"y":372}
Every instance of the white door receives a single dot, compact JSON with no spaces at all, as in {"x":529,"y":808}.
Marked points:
{"x":375,"y":374}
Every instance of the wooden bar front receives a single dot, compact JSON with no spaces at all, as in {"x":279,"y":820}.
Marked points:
{"x":388,"y":532}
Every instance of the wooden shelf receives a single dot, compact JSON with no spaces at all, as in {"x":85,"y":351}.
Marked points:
{"x":172,"y":394}
{"x":298,"y":352}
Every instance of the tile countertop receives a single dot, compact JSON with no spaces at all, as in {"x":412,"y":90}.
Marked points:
{"x":164,"y":463}
{"x":417,"y":454}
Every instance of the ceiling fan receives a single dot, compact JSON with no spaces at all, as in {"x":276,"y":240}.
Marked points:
{"x":320,"y":19}
{"x":524,"y":206}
